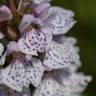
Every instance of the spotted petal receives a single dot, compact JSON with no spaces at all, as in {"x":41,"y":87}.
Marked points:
{"x":5,"y":13}
{"x":47,"y":87}
{"x":34,"y":71}
{"x":28,"y":43}
{"x":61,"y":22}
{"x":35,"y":41}
{"x":50,"y":87}
{"x":61,"y":56}
{"x":13,"y":75}
{"x":45,"y":38}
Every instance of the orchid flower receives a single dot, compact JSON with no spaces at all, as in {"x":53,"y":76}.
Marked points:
{"x":55,"y":20}
{"x":58,"y":19}
{"x":26,"y":72}
{"x":42,"y":31}
{"x":64,"y":79}
{"x":5,"y":13}
{"x":61,"y":56}
{"x":58,"y":57}
{"x":71,"y":85}
{"x":36,"y":37}
{"x":21,"y":72}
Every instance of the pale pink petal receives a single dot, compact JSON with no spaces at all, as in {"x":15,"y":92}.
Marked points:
{"x":5,"y":13}
{"x":45,"y":38}
{"x":47,"y":87}
{"x":34,"y":71}
{"x":41,"y":7}
{"x":13,"y":75}
{"x":25,"y":22}
{"x":61,"y":56}
{"x":61,"y":22}
{"x":28,"y":44}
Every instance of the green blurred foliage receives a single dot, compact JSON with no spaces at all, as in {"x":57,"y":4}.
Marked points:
{"x":85,"y":32}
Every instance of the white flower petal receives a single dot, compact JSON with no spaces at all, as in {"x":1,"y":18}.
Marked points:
{"x":13,"y":46}
{"x":26,"y":21}
{"x":13,"y":75}
{"x":61,"y":56}
{"x":35,"y":41}
{"x":70,"y":40}
{"x":65,"y":12}
{"x":61,"y":22}
{"x":28,"y":44}
{"x":34,"y":71}
{"x":5,"y":13}
{"x":45,"y":38}
{"x":46,"y":88}
{"x":72,"y":86}
{"x":24,"y":48}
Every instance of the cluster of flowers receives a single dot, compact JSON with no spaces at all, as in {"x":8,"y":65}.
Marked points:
{"x":43,"y":56}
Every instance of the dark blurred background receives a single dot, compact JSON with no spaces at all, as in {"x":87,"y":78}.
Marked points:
{"x":85,"y":32}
